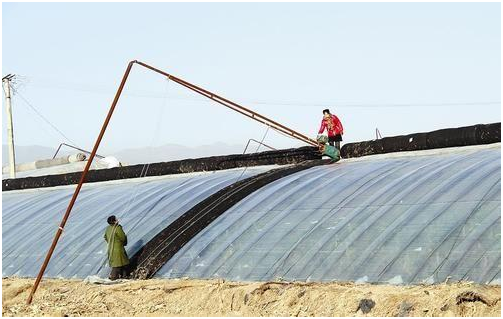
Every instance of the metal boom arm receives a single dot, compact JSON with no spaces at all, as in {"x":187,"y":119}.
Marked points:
{"x":223,"y":101}
{"x":234,"y":106}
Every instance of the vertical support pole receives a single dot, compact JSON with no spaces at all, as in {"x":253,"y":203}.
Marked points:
{"x":79,"y":186}
{"x":10,"y":129}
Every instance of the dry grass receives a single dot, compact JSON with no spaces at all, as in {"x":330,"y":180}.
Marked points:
{"x":220,"y":298}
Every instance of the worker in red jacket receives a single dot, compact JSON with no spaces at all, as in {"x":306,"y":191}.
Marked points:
{"x":334,"y":128}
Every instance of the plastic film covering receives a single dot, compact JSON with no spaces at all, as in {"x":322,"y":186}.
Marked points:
{"x":144,"y":207}
{"x":423,"y":217}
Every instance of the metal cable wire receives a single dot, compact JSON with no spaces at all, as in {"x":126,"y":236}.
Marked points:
{"x":154,"y":138}
{"x":103,"y":89}
{"x":16,"y":92}
{"x":258,"y":147}
{"x":143,"y":173}
{"x":191,"y":221}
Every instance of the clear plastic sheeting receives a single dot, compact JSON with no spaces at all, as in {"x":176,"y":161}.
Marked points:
{"x":144,"y":207}
{"x":420,"y":217}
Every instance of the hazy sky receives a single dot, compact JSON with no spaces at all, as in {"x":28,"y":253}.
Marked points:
{"x":401,"y":67}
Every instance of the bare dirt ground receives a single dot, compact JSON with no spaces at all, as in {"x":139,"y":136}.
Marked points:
{"x":221,"y":298}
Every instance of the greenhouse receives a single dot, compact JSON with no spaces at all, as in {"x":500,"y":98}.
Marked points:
{"x":397,"y":219}
{"x":410,"y":217}
{"x":144,"y":206}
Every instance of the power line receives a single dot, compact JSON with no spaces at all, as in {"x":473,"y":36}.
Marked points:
{"x":16,"y":92}
{"x":338,"y":105}
{"x":104,"y":90}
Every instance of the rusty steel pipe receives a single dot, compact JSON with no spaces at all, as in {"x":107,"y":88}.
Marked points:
{"x":79,"y":186}
{"x":253,"y":115}
{"x":210,"y":95}
{"x":234,"y":106}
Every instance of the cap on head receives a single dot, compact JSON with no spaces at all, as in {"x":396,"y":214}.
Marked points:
{"x":326,"y":111}
{"x":111,"y":220}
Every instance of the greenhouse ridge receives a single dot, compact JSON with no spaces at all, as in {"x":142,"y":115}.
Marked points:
{"x":452,"y":137}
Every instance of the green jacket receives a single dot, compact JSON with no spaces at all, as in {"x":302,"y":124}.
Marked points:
{"x":116,"y":239}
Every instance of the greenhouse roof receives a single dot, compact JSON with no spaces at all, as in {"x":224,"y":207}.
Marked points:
{"x":398,"y":218}
{"x":407,"y":217}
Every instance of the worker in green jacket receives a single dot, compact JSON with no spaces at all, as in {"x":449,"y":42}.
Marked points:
{"x":117,"y":257}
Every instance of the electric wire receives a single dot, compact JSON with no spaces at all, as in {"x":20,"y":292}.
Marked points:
{"x":102,"y":89}
{"x":32,"y":107}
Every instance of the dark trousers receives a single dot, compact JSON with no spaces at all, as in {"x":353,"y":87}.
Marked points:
{"x":335,"y":141}
{"x":118,"y":272}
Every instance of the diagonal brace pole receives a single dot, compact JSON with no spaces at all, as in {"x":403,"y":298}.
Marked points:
{"x":79,"y":186}
{"x":223,"y":101}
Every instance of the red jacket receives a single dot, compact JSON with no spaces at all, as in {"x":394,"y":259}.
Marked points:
{"x":336,"y":127}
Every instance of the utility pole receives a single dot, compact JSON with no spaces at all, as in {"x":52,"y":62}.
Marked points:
{"x":10,"y":131}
